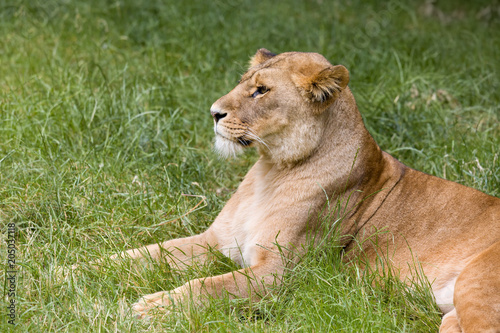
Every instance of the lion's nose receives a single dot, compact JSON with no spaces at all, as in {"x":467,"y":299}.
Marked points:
{"x":217,"y":115}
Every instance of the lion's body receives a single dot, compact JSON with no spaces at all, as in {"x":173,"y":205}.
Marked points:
{"x":297,"y":110}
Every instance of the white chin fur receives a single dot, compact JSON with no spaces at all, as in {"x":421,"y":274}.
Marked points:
{"x":227,"y":148}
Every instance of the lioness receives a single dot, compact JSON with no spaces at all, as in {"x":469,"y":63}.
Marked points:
{"x":297,"y":110}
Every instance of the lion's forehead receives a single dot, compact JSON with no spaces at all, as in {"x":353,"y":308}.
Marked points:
{"x":281,"y":61}
{"x":290,"y":62}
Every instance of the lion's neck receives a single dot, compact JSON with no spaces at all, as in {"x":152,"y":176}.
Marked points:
{"x":346,"y":162}
{"x":363,"y":174}
{"x":347,"y":151}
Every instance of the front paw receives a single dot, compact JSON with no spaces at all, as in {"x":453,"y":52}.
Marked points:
{"x":152,"y":304}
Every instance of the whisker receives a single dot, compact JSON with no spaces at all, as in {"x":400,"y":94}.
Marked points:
{"x":251,"y":134}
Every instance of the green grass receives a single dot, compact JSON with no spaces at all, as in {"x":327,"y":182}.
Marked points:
{"x":104,"y":125}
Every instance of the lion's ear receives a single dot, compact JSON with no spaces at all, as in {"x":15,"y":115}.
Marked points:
{"x":325,"y":84}
{"x":261,"y":56}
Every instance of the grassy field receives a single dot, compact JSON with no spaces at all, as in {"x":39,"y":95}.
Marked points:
{"x":106,"y":144}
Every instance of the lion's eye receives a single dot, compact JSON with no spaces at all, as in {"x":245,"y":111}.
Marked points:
{"x":261,"y":90}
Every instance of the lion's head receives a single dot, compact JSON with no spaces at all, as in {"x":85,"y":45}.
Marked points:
{"x":278,"y":106}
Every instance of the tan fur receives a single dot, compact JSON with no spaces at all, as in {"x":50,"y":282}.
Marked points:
{"x":297,"y":110}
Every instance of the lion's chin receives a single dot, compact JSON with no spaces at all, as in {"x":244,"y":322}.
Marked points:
{"x":227,"y":148}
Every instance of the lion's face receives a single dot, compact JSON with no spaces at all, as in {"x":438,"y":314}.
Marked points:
{"x":278,"y":106}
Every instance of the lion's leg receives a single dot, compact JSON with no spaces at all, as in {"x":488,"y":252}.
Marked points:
{"x":450,"y":323}
{"x":477,"y":293}
{"x":248,"y":282}
{"x":180,"y":252}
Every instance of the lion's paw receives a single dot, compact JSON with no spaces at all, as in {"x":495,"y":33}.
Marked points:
{"x":152,"y":304}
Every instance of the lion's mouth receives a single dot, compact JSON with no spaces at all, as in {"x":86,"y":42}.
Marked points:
{"x":244,"y":142}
